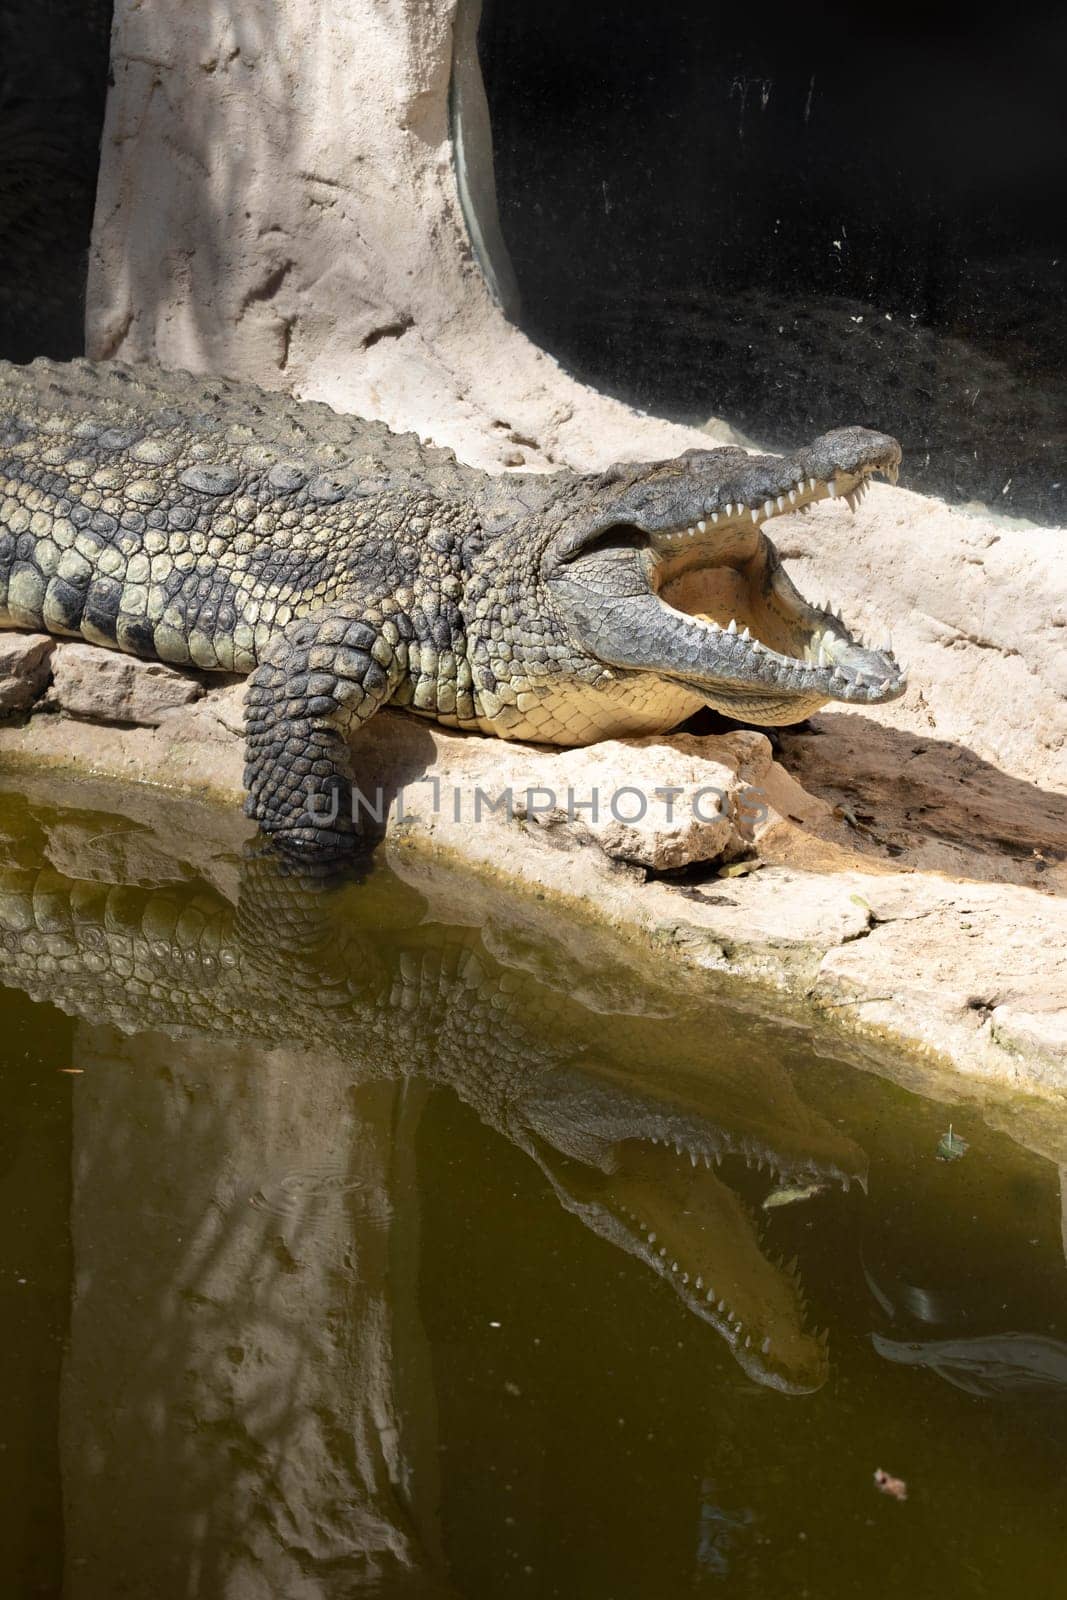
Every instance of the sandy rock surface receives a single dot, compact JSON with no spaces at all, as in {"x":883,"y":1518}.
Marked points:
{"x":901,"y":930}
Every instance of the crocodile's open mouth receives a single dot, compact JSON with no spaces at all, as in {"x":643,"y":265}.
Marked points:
{"x":728,"y":621}
{"x":745,"y":596}
{"x":663,"y":1192}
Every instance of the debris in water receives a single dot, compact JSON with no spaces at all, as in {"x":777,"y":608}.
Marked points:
{"x":885,"y":1483}
{"x":950,"y":1147}
{"x":787,"y":1194}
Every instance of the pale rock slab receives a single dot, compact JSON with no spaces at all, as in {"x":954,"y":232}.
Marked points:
{"x":25,"y":668}
{"x":106,"y":687}
{"x":656,"y":804}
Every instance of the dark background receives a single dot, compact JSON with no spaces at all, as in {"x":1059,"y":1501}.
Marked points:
{"x":53,"y":81}
{"x":796,"y":218}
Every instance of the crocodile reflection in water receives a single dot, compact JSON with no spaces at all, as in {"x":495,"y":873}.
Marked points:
{"x":630,"y":1117}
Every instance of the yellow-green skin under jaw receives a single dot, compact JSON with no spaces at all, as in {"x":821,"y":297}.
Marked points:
{"x":210,"y":524}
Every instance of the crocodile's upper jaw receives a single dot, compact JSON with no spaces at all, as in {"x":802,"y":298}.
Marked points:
{"x":676,"y":577}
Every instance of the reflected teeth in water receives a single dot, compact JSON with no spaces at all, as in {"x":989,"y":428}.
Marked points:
{"x":700,"y":1281}
{"x":765,"y":1347}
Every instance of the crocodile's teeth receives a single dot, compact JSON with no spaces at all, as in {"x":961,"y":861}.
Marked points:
{"x":768,"y":508}
{"x":714,"y":518}
{"x":755,"y":514}
{"x":781,"y":502}
{"x":702,"y":527}
{"x":745,"y":635}
{"x":813,"y":484}
{"x":733,"y":626}
{"x":792,"y":497}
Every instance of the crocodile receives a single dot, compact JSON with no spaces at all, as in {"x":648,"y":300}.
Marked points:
{"x":212,"y":525}
{"x":652,"y":1156}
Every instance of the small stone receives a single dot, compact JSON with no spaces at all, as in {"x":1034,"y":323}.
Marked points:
{"x":104,"y":686}
{"x":25,"y":668}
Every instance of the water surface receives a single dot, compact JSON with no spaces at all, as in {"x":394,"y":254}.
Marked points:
{"x":359,"y":1240}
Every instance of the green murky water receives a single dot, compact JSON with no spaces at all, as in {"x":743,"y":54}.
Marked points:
{"x":360,"y":1241}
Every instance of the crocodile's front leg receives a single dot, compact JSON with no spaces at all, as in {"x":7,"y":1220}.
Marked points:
{"x":317,"y":682}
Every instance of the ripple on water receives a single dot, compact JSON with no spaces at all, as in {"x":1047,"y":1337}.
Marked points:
{"x":310,"y":1191}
